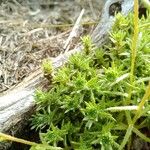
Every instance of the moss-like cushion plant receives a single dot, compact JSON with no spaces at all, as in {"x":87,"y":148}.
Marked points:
{"x":99,"y":99}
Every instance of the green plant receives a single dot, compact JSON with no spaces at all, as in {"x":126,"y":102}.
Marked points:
{"x":96,"y":100}
{"x":35,"y":146}
{"x":100,"y":98}
{"x":146,"y":3}
{"x":47,"y":69}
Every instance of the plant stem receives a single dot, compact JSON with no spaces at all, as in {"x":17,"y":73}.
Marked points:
{"x":133,"y":60}
{"x":140,"y":107}
{"x":134,"y":48}
{"x":141,"y":135}
{"x":126,"y":137}
{"x":14,"y":139}
{"x":138,"y":114}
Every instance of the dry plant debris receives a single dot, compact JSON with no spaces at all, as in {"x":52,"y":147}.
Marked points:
{"x":26,"y":36}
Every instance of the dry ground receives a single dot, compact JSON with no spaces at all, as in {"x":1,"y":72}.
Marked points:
{"x":27,"y":35}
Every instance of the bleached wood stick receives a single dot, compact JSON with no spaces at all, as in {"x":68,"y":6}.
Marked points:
{"x":73,"y":32}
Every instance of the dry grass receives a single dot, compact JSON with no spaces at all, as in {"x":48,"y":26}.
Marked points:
{"x":26,"y":35}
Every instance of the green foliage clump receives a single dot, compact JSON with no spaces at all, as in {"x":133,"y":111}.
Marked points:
{"x":76,"y":112}
{"x":47,"y":67}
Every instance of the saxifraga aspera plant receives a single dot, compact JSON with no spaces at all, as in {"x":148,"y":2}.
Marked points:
{"x":99,"y":99}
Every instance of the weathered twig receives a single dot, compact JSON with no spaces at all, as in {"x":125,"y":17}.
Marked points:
{"x":73,"y":32}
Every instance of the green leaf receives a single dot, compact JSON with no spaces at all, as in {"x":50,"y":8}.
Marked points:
{"x":53,"y":136}
{"x":44,"y":147}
